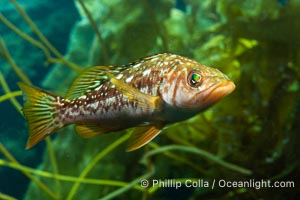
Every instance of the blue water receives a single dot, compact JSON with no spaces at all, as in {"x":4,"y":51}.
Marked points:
{"x":56,"y":25}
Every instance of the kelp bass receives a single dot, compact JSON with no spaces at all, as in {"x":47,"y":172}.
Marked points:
{"x":147,"y":94}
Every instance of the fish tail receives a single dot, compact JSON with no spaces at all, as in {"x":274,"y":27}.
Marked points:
{"x":41,"y":112}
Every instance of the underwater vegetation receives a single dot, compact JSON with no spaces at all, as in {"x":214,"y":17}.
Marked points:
{"x":253,"y":134}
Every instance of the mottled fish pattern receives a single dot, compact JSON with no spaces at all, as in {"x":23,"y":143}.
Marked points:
{"x":147,"y":94}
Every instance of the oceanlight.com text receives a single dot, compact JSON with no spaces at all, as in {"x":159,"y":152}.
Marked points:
{"x":194,"y":183}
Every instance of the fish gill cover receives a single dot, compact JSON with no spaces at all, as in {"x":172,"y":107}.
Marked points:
{"x":251,"y":135}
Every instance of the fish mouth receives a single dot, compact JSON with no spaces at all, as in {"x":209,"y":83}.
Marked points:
{"x":217,"y":92}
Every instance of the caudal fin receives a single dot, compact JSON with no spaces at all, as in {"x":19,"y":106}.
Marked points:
{"x":40,"y":110}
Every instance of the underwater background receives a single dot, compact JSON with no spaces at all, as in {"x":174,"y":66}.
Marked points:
{"x":253,"y":134}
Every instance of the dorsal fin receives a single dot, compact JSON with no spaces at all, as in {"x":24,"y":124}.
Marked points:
{"x":88,"y":80}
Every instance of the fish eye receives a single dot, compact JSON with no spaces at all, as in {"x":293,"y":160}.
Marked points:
{"x":194,"y":79}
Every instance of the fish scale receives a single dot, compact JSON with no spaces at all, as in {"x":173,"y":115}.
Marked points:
{"x":146,"y":95}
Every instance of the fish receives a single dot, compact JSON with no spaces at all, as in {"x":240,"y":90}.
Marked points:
{"x":146,"y":95}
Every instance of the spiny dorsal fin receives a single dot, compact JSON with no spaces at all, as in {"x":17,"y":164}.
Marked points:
{"x":88,"y":131}
{"x":142,"y":136}
{"x":88,"y":80}
{"x":135,"y":95}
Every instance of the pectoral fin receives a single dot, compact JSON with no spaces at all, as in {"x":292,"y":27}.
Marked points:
{"x":133,"y":94}
{"x":88,"y":131}
{"x":142,"y":136}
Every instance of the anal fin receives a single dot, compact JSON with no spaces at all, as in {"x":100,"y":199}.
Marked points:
{"x":88,"y":131}
{"x":142,"y":136}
